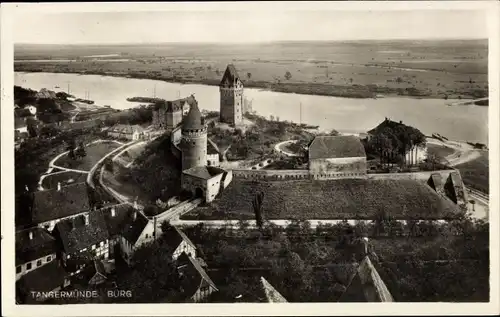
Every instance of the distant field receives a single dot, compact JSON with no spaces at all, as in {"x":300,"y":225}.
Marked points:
{"x":476,"y":173}
{"x":441,"y":69}
{"x":94,"y":153}
{"x":65,"y":178}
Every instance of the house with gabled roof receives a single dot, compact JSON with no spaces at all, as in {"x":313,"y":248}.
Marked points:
{"x":35,"y":247}
{"x":136,"y":231}
{"x":179,"y":243}
{"x":94,"y":273}
{"x":127,"y":132}
{"x":32,"y":287}
{"x":196,"y":285}
{"x":332,"y":157}
{"x":82,"y":239}
{"x":366,"y":285}
{"x":116,"y":218}
{"x":271,"y":294}
{"x":64,"y":202}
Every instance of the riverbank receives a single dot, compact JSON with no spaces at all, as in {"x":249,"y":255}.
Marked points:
{"x":358,"y":91}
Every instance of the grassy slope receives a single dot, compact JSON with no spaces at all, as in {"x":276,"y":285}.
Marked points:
{"x":50,"y":182}
{"x":476,"y":173}
{"x":337,"y":69}
{"x":94,"y":153}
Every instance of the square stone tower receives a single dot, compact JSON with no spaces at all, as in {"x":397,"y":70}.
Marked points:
{"x":231,"y":97}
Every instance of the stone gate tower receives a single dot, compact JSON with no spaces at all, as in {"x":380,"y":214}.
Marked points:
{"x":231,"y":97}
{"x":194,"y":139}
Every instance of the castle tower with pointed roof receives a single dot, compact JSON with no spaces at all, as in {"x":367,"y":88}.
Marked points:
{"x":194,"y":139}
{"x":231,"y":97}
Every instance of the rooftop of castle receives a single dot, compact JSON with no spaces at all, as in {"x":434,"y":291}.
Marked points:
{"x":336,"y":199}
{"x":230,"y":76}
{"x":336,"y":147}
{"x":194,"y":120}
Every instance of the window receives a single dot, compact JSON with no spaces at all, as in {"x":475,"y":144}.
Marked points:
{"x":38,"y":263}
{"x":28,"y":266}
{"x":18,"y":269}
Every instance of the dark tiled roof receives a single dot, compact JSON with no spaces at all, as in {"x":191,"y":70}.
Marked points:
{"x":195,"y":276}
{"x":336,"y":147}
{"x":54,"y":204}
{"x":42,"y":243}
{"x":75,"y":235}
{"x":336,"y":199}
{"x":133,"y":228}
{"x":385,"y":124}
{"x":212,"y":148}
{"x":93,"y":268}
{"x":43,"y":279}
{"x":272,"y":295}
{"x":22,"y":112}
{"x":230,"y":76}
{"x":204,"y":172}
{"x":366,"y":285}
{"x":19,"y":122}
{"x":115,"y":224}
{"x":194,"y":119}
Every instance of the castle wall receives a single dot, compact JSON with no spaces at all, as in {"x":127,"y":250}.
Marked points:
{"x":194,"y":148}
{"x":173,"y":119}
{"x":335,"y":167}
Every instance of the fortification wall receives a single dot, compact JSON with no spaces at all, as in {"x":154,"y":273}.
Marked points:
{"x":271,"y":174}
{"x":420,"y":176}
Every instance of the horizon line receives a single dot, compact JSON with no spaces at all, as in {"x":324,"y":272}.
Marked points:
{"x":267,"y":42}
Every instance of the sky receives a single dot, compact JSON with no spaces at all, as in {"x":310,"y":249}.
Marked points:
{"x":245,"y":26}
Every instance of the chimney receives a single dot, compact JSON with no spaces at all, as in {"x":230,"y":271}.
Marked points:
{"x":112,"y":211}
{"x":31,"y":235}
{"x":86,"y":216}
{"x":58,"y":186}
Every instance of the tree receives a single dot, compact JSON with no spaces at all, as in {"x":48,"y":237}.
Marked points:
{"x":71,"y":148}
{"x":288,"y":75}
{"x":80,"y":151}
{"x":258,"y":210}
{"x":473,"y":203}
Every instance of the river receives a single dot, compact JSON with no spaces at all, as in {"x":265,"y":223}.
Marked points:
{"x":347,"y":115}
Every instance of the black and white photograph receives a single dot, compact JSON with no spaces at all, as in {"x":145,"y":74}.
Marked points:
{"x":259,"y":152}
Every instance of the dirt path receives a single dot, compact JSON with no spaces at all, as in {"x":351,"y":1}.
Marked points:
{"x":463,"y":152}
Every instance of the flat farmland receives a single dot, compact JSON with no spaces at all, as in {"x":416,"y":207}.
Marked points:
{"x":438,"y":69}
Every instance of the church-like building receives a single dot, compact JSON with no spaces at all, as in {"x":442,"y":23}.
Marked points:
{"x":231,"y":97}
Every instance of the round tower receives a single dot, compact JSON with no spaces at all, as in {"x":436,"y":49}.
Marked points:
{"x":194,"y":139}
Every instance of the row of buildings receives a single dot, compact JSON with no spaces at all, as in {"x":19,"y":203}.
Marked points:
{"x":74,"y":243}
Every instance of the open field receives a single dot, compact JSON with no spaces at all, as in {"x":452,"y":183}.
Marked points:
{"x":94,"y":153}
{"x":439,"y":150}
{"x":363,"y":69}
{"x":65,"y":178}
{"x":475,"y":173}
